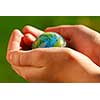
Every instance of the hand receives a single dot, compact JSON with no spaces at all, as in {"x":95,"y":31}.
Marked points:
{"x":30,"y":73}
{"x":50,"y":64}
{"x":82,"y":39}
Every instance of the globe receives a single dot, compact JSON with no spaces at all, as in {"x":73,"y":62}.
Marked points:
{"x":49,"y":39}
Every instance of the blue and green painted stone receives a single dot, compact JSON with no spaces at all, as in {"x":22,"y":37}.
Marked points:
{"x":49,"y":39}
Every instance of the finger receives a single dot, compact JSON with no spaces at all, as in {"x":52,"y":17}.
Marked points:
{"x":34,"y":31}
{"x":27,"y":58}
{"x":23,"y":45}
{"x":35,"y":57}
{"x":14,"y":42}
{"x":28,"y":39}
{"x":65,"y":30}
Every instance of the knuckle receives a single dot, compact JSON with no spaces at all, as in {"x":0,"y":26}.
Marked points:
{"x":26,"y":27}
{"x":15,"y":31}
{"x":78,"y":26}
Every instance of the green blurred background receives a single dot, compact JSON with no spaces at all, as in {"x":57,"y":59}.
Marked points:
{"x":8,"y":23}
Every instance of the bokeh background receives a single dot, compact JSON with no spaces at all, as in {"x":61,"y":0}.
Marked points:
{"x":8,"y":23}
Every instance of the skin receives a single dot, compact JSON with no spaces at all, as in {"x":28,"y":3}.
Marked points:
{"x":82,"y":39}
{"x":28,"y":39}
{"x":80,"y":64}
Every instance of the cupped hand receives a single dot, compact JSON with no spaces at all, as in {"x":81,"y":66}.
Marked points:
{"x":49,"y":64}
{"x":82,"y":39}
{"x":16,"y":45}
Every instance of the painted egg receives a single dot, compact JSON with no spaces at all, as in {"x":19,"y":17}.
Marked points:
{"x":49,"y":39}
